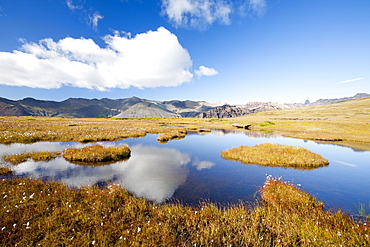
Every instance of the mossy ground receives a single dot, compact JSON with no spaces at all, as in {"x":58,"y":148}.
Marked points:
{"x":267,"y":154}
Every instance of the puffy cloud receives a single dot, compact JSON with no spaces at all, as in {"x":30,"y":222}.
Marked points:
{"x":200,"y":165}
{"x":150,"y":59}
{"x":204,"y":71}
{"x":196,"y":13}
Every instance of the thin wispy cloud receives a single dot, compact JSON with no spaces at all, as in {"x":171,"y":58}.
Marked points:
{"x":345,"y":163}
{"x":90,"y":16}
{"x":71,"y":6}
{"x":94,"y":19}
{"x":148,"y":60}
{"x":200,"y":14}
{"x":352,"y":80}
{"x":196,"y":13}
{"x":257,"y":6}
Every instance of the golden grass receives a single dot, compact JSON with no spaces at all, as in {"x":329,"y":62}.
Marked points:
{"x":43,"y":213}
{"x":97,"y":153}
{"x":36,"y":156}
{"x":173,"y":135}
{"x":19,"y":130}
{"x":5,"y":171}
{"x":267,"y":154}
{"x":345,"y":122}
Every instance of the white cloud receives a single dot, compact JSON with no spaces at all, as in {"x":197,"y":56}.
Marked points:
{"x":258,"y":6}
{"x":94,"y":19}
{"x":89,"y":15}
{"x":72,"y":6}
{"x":204,"y":71}
{"x":357,"y":79}
{"x":150,"y":59}
{"x":196,"y":13}
{"x":203,"y":13}
{"x":200,"y":165}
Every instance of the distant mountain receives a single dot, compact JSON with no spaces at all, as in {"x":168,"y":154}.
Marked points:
{"x":135,"y":107}
{"x":227,"y":111}
{"x":332,"y":101}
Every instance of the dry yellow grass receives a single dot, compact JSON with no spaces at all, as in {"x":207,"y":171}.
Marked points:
{"x":276,"y":155}
{"x":173,"y":135}
{"x":5,"y":171}
{"x":36,"y":156}
{"x":97,"y":153}
{"x":43,"y":213}
{"x":346,"y":121}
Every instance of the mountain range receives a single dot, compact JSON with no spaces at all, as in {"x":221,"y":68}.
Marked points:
{"x":135,"y":107}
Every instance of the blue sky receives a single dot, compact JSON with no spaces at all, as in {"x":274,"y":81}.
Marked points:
{"x":213,"y":50}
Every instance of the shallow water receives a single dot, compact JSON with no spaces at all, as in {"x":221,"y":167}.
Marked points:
{"x":191,"y":170}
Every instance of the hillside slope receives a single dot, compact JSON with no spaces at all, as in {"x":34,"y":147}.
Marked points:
{"x":347,"y":123}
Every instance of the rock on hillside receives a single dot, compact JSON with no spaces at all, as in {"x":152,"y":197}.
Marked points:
{"x":228,"y":111}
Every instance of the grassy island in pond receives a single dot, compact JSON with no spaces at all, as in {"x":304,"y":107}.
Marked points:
{"x":276,"y":155}
{"x":97,"y":153}
{"x":16,"y":159}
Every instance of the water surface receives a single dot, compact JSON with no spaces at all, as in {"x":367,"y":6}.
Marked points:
{"x":191,"y":170}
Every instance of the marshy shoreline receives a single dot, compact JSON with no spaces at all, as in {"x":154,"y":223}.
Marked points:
{"x":49,"y":213}
{"x":44,"y":213}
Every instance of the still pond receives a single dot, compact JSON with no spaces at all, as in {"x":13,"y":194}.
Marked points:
{"x":191,"y":170}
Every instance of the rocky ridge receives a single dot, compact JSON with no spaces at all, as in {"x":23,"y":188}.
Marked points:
{"x":135,"y":107}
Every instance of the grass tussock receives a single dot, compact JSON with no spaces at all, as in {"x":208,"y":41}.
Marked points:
{"x":42,"y":213}
{"x":4,"y":171}
{"x":97,"y":153}
{"x":16,"y":159}
{"x":267,"y":154}
{"x":174,"y":135}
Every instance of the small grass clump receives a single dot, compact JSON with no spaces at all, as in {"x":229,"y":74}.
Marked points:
{"x":16,"y":159}
{"x":97,"y":153}
{"x":35,"y":212}
{"x":267,"y":154}
{"x":4,"y":171}
{"x":174,"y":135}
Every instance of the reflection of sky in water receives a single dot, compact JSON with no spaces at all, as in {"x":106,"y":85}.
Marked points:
{"x":151,"y":172}
{"x":191,"y":169}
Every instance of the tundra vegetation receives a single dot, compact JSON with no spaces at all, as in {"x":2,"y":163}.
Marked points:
{"x":44,"y":213}
{"x":16,"y":159}
{"x":5,"y":171}
{"x":267,"y":154}
{"x":172,"y":135}
{"x":97,"y":153}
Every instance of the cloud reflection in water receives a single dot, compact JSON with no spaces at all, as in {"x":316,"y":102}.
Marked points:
{"x":151,"y":172}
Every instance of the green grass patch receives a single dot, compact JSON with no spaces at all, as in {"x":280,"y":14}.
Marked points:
{"x":43,"y":213}
{"x":97,"y":153}
{"x":267,"y":154}
{"x":16,"y":159}
{"x":267,"y":123}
